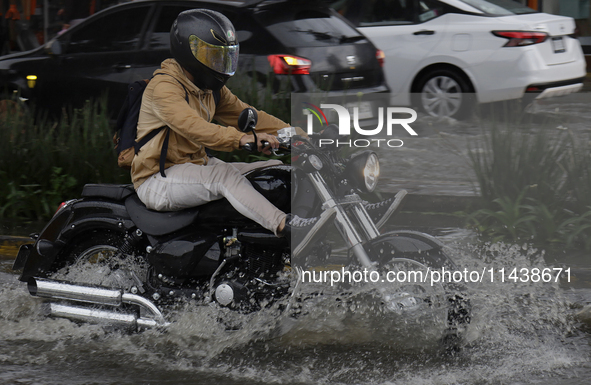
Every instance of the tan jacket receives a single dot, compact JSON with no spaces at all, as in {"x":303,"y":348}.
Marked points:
{"x":164,"y":104}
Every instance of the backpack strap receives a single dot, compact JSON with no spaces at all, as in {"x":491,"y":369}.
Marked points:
{"x":146,"y":139}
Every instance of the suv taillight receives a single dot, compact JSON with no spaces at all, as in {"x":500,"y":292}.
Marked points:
{"x":380,"y":55}
{"x":520,"y":38}
{"x":289,"y":65}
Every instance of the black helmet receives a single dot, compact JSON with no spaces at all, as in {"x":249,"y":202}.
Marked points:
{"x":204,"y":43}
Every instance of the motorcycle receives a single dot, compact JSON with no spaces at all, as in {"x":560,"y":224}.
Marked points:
{"x":140,"y":261}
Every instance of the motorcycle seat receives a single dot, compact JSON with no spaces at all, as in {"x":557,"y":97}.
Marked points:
{"x":158,"y":222}
{"x":117,"y":192}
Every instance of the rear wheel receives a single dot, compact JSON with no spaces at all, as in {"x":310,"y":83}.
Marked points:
{"x":95,"y":259}
{"x":444,"y":93}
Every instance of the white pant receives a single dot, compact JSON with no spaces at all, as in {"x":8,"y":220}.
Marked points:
{"x":189,"y":185}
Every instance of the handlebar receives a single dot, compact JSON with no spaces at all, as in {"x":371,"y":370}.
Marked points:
{"x":284,"y":144}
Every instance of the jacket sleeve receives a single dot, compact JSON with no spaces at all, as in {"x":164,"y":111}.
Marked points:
{"x":230,"y":107}
{"x":171,"y":107}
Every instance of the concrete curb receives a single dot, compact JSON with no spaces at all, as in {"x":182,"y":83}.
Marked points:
{"x":9,"y":245}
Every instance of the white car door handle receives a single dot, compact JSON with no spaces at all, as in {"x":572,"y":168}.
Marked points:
{"x":424,"y":32}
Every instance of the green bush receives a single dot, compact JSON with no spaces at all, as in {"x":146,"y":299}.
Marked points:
{"x":44,"y":162}
{"x":535,"y":185}
{"x":577,"y":166}
{"x":264,"y":92}
{"x":515,"y":159}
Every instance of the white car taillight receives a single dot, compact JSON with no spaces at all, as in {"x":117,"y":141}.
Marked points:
{"x":521,"y":38}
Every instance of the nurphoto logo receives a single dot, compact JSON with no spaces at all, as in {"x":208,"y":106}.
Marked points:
{"x":389,"y":117}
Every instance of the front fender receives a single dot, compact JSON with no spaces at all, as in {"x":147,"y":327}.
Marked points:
{"x":74,"y":219}
{"x":414,"y":245}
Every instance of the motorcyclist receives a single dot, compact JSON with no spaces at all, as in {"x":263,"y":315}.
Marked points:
{"x":205,"y":51}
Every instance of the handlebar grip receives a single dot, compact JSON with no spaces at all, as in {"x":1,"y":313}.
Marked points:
{"x":250,"y":147}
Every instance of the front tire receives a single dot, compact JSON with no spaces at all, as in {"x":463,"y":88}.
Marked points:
{"x":413,"y":252}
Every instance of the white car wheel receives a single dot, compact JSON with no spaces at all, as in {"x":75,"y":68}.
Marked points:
{"x":444,"y":94}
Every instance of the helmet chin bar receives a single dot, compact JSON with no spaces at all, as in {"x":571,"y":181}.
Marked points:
{"x":207,"y":79}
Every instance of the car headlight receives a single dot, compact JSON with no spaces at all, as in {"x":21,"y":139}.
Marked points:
{"x":363,"y":169}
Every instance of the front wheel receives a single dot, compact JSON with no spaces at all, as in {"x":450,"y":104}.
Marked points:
{"x":444,"y":93}
{"x":417,"y":257}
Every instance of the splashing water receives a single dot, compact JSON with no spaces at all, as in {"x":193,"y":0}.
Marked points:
{"x":520,"y":332}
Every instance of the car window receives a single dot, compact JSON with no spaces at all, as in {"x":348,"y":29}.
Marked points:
{"x":308,"y":28}
{"x":428,"y":9}
{"x":389,"y":12}
{"x":160,"y":38}
{"x":116,"y":31}
{"x":499,"y":7}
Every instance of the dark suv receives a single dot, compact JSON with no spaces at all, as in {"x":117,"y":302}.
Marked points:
{"x":302,"y":43}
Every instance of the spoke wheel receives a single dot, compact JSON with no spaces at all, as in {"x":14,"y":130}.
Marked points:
{"x":96,"y":260}
{"x":413,"y":294}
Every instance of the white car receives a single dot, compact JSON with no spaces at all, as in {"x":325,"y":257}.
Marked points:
{"x":438,"y":52}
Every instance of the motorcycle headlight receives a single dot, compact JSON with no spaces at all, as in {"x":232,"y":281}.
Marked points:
{"x":315,"y":162}
{"x":371,"y":172}
{"x":363,"y":169}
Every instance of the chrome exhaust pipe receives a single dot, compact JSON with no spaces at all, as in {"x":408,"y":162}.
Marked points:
{"x":51,"y":289}
{"x":60,"y":290}
{"x":85,"y":314}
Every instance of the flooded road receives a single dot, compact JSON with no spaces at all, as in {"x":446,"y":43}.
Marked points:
{"x":520,"y":333}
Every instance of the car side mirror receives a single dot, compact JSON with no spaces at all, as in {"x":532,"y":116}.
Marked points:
{"x":54,"y":47}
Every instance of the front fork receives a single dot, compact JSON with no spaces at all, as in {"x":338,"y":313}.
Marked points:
{"x":343,"y":222}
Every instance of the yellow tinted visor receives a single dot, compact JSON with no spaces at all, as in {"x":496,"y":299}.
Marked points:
{"x":220,"y":58}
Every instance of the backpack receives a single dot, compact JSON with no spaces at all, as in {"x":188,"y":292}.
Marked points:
{"x":127,"y":120}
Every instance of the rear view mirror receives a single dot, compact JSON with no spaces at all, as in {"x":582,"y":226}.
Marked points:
{"x":247,"y":120}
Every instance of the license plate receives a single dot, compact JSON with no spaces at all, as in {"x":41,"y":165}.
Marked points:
{"x":364,"y":109}
{"x":558,"y":44}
